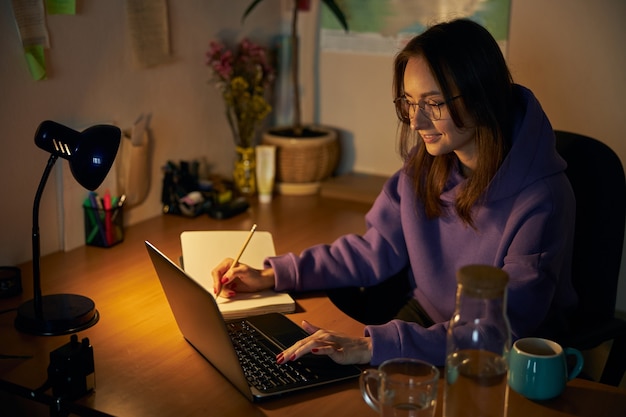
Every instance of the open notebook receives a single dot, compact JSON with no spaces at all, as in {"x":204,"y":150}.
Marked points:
{"x":203,"y":250}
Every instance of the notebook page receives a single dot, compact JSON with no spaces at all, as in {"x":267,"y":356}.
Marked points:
{"x":203,"y":250}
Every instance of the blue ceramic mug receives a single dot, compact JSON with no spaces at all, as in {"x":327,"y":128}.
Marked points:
{"x":538,"y":368}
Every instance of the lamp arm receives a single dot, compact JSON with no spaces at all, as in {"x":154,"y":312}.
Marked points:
{"x":36,"y":241}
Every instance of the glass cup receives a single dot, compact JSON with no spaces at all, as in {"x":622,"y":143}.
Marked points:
{"x":401,"y":387}
{"x":538,"y":368}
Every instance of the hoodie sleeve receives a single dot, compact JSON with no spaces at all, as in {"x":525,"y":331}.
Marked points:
{"x":402,"y":339}
{"x":351,"y":260}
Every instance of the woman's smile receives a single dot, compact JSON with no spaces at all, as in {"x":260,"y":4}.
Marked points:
{"x":430,"y":137}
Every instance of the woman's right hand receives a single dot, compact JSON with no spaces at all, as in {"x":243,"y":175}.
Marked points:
{"x":241,"y":278}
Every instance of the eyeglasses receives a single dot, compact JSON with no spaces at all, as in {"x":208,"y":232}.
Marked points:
{"x":406,"y":110}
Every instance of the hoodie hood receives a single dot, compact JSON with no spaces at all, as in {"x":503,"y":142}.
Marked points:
{"x":533,"y":154}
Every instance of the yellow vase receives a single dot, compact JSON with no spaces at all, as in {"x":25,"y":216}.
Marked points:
{"x":244,"y":173}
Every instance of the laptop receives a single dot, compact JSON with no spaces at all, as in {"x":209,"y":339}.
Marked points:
{"x":227,"y":344}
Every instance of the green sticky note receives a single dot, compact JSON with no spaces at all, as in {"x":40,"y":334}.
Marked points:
{"x":61,"y":6}
{"x":36,"y":61}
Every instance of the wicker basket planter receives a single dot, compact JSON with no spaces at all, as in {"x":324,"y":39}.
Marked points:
{"x":303,"y":162}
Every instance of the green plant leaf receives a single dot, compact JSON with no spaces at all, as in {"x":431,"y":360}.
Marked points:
{"x":337,"y":12}
{"x":249,"y":9}
{"x":332,"y":5}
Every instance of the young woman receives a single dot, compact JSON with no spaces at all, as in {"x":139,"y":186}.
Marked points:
{"x":482,"y":183}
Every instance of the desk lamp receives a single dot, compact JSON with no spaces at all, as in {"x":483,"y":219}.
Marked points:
{"x":90,"y":155}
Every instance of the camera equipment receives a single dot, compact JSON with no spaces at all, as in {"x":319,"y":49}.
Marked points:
{"x":71,"y":370}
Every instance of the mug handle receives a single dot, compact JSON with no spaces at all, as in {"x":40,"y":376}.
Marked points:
{"x":368,"y":378}
{"x":579,"y":362}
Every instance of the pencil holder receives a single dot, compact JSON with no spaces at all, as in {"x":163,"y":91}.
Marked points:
{"x":104,"y":228}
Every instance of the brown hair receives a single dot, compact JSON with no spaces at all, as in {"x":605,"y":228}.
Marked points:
{"x":465,"y":60}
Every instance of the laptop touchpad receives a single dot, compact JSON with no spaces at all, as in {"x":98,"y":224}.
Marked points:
{"x":278,"y":328}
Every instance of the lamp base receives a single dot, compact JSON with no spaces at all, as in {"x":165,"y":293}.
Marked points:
{"x":62,"y":314}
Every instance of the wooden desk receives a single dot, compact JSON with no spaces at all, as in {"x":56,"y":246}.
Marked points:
{"x":145,"y":368}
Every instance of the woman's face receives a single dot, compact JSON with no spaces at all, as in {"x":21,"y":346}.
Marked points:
{"x":440,"y":136}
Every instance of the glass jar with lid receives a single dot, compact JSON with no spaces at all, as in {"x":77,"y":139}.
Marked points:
{"x":478,"y":342}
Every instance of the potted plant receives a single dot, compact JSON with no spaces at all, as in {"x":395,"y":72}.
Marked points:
{"x":305,"y":154}
{"x":242,"y":75}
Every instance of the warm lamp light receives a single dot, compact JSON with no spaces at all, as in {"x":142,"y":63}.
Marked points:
{"x":90,"y":154}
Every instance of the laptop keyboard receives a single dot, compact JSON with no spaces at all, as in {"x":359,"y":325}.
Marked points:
{"x":258,"y":360}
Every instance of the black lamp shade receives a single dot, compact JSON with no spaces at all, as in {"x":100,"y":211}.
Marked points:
{"x":90,"y":153}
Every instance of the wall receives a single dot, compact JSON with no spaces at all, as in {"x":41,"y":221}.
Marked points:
{"x":569,"y":52}
{"x":94,"y":78}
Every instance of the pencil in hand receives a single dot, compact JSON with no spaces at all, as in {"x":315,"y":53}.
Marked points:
{"x":236,"y":260}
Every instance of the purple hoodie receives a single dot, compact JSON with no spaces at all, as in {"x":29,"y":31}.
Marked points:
{"x":524,"y":225}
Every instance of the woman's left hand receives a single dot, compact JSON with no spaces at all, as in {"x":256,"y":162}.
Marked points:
{"x":341,"y":348}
